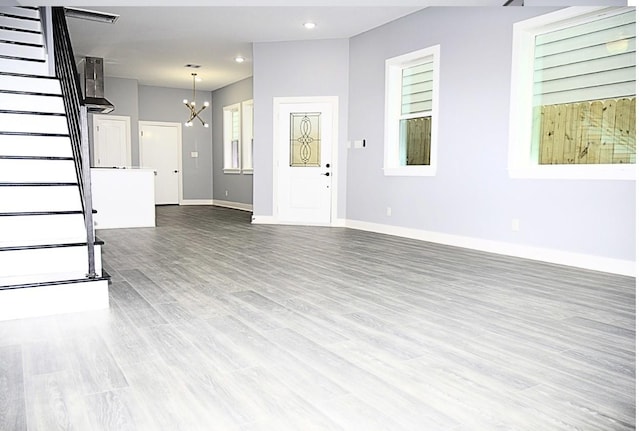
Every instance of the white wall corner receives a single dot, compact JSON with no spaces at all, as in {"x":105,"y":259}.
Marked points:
{"x":579,"y":260}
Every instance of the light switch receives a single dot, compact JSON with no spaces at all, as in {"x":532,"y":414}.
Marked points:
{"x":194,"y":154}
{"x":358,"y":144}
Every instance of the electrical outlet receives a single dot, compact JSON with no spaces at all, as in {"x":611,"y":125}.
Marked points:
{"x":388,"y":211}
{"x":226,"y":192}
{"x":515,"y":224}
{"x":194,"y":154}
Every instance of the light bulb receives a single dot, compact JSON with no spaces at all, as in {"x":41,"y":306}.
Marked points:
{"x":309,"y":25}
{"x":206,"y":104}
{"x":193,"y":103}
{"x":239,"y":59}
{"x":206,"y":125}
{"x":185,"y":101}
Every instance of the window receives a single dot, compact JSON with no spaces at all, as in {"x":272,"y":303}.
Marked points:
{"x":411,"y":113}
{"x":247,"y":137}
{"x":231,"y":138}
{"x":573,"y":95}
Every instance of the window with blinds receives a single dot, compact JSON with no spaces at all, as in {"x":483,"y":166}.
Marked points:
{"x":584,"y":91}
{"x":411,"y":105}
{"x":231,"y":135}
{"x":417,"y":88}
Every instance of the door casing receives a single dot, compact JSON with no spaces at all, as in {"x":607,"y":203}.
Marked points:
{"x":178,"y":128}
{"x":277,"y":156}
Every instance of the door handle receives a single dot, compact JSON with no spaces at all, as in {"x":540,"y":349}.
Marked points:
{"x":326,"y":174}
{"x":175,"y":172}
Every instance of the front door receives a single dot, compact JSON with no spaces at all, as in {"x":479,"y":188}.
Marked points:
{"x":161,"y":150}
{"x":305,"y":137}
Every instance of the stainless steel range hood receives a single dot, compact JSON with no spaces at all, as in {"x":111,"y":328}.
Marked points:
{"x":94,"y":98}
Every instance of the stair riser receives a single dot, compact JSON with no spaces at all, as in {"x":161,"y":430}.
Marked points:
{"x":39,"y":171}
{"x":35,"y":146}
{"x":20,"y":263}
{"x":49,"y":229}
{"x":26,"y":67}
{"x":31,"y":103}
{"x":50,"y":300}
{"x":21,"y":24}
{"x":33,"y":123}
{"x":20,"y":36}
{"x":19,"y":11}
{"x":34,"y":85}
{"x":22,"y":51}
{"x":13,"y":199}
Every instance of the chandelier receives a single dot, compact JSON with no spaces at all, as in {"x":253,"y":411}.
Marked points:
{"x":193,"y":113}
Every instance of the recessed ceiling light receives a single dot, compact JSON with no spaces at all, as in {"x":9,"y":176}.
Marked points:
{"x":239,"y":59}
{"x":309,"y":25}
{"x":192,"y":66}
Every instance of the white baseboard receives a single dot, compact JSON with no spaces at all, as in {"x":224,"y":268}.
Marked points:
{"x":579,"y":260}
{"x":257,"y":219}
{"x":196,"y":202}
{"x":233,"y":205}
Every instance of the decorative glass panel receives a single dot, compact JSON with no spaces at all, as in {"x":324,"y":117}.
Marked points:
{"x":305,"y":139}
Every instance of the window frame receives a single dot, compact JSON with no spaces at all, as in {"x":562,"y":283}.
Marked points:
{"x":393,"y":105}
{"x":246,"y":158}
{"x":522,"y":163}
{"x":227,"y":138}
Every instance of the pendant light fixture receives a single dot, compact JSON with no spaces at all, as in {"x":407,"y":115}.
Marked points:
{"x":193,"y":113}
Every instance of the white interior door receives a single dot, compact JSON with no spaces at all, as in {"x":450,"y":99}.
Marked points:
{"x":305,"y":131}
{"x":161,"y":150}
{"x":111,"y":141}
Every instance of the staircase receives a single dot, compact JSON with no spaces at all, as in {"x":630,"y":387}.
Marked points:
{"x":44,"y":252}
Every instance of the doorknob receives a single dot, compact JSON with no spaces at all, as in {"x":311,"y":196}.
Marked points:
{"x":326,"y":174}
{"x":328,"y":165}
{"x":175,"y":172}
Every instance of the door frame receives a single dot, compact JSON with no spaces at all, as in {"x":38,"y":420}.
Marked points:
{"x":334,"y":102}
{"x":177,"y":126}
{"x":97,"y":118}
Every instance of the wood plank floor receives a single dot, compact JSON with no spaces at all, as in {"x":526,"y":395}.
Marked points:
{"x":216,"y":324}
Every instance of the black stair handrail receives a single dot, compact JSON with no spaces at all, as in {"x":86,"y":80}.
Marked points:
{"x":76,"y":112}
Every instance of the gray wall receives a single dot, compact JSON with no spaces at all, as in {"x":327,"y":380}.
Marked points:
{"x":472,"y":194}
{"x":239,"y":186}
{"x":292,"y":69}
{"x":165,"y":104}
{"x":123,"y":94}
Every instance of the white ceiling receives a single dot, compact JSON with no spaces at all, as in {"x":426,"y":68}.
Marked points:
{"x":152,"y":44}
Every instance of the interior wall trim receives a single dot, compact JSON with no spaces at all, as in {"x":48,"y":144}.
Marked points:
{"x":233,"y":205}
{"x":579,"y":260}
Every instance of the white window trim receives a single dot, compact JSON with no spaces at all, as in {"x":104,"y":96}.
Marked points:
{"x":521,"y":163}
{"x":393,"y":80}
{"x":246,"y":158}
{"x":227,"y":138}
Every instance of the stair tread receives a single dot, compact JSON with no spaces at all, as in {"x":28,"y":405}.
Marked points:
{"x":13,"y":57}
{"x":6,"y":157}
{"x":42,"y":134}
{"x":50,"y":279}
{"x":30,"y":93}
{"x":50,"y":243}
{"x":37,"y":213}
{"x":37,"y":184}
{"x":13,"y":111}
